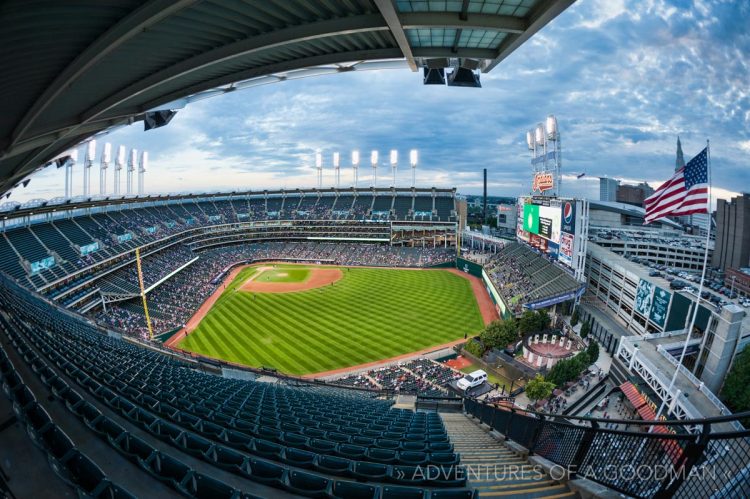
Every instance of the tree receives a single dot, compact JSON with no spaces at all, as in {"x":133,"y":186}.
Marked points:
{"x":499,"y":334}
{"x":568,"y":369}
{"x":475,"y":348}
{"x":543,"y":320}
{"x":736,"y":390}
{"x":538,"y":388}
{"x":574,"y":318}
{"x":592,"y":352}
{"x":528,"y":322}
{"x":585,"y":329}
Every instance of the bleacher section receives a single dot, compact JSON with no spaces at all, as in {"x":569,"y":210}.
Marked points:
{"x":521,"y":275}
{"x":206,"y":436}
{"x":118,"y":229}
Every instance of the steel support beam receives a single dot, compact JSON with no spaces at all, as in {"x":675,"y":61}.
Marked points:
{"x":388,"y":10}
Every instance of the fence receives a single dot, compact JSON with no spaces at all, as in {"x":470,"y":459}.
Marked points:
{"x":659,"y":459}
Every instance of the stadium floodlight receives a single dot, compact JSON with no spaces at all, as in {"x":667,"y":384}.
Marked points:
{"x":132,"y":162}
{"x":530,"y":142}
{"x":394,"y":164}
{"x":87,"y":164}
{"x":106,"y":159}
{"x":69,"y":173}
{"x":142,"y":171}
{"x":119,"y":164}
{"x":551,"y":127}
{"x":540,"y":135}
{"x":319,"y":166}
{"x":413,"y":162}
{"x":355,"y":166}
{"x":336,"y":169}
{"x":374,"y":164}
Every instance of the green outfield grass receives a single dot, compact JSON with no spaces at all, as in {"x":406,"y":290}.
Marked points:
{"x":368,"y":315}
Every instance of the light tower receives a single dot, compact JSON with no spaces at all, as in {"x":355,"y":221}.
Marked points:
{"x":119,"y":164}
{"x":374,"y":164}
{"x":131,"y":168}
{"x":142,"y":172}
{"x":87,"y":164}
{"x":103,"y":165}
{"x":546,"y":156}
{"x":319,"y":166}
{"x":336,"y":169}
{"x":69,"y":173}
{"x":355,"y":166}
{"x":413,"y":162}
{"x":394,"y":164}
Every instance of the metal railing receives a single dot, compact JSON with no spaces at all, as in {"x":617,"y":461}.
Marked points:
{"x":658,"y":459}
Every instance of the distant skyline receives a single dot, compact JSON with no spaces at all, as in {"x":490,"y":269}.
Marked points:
{"x":624,"y":79}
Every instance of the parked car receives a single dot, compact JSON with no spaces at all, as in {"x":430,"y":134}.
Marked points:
{"x":471,"y":380}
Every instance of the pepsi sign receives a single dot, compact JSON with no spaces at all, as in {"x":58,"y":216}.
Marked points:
{"x":568,"y":217}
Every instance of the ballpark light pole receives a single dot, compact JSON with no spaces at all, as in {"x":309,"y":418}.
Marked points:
{"x":413,"y":162}
{"x":336,"y":169}
{"x":88,"y":162}
{"x":119,"y":164}
{"x":132,"y":162}
{"x":374,"y":164}
{"x":103,"y":165}
{"x":319,"y":167}
{"x":394,"y":165}
{"x":355,"y":166}
{"x":69,"y":173}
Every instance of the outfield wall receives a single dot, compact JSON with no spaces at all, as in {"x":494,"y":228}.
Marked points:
{"x":477,"y":270}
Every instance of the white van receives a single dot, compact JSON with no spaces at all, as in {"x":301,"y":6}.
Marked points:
{"x":471,"y":380}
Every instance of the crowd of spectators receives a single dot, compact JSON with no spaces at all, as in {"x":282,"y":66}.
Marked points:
{"x":523,"y":275}
{"x":420,"y":376}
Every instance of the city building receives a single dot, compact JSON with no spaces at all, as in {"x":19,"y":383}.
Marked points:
{"x":614,"y":215}
{"x":738,"y":280}
{"x":681,"y":252}
{"x":732,"y":233}
{"x":608,"y":189}
{"x":633,"y":194}
{"x":627,"y":299}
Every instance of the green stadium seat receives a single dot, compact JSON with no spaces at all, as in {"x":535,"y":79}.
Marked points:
{"x":267,"y":449}
{"x":333,"y":465}
{"x":386,"y":456}
{"x":370,"y":471}
{"x":299,"y":458}
{"x":307,"y":484}
{"x":133,"y":447}
{"x":393,"y":492}
{"x":354,"y":490}
{"x":454,"y":494}
{"x":202,"y":486}
{"x":267,"y":473}
{"x":167,"y":469}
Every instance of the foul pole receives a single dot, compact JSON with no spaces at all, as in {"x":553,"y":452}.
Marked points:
{"x":143,"y":293}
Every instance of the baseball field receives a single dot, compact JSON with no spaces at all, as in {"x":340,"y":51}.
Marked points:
{"x":310,"y":319}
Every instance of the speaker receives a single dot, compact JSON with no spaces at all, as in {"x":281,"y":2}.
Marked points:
{"x":462,"y":77}
{"x":156,"y":119}
{"x":434,"y":76}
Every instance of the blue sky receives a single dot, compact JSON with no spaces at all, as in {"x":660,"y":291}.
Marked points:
{"x":623,"y":77}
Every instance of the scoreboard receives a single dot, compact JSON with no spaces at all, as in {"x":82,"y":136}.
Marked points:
{"x":548,"y":224}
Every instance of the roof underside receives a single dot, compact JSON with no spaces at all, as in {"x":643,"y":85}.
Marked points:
{"x":73,"y":69}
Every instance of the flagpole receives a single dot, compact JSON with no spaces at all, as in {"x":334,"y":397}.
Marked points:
{"x":700,"y":292}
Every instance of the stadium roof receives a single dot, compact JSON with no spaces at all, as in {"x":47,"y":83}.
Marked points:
{"x":630,"y":210}
{"x":74,"y":69}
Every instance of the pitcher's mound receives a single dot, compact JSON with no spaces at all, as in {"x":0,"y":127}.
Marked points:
{"x":318,"y":277}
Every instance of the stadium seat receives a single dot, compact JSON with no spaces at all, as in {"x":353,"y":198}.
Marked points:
{"x":202,"y":486}
{"x":393,"y":492}
{"x":267,"y":449}
{"x":167,"y":469}
{"x":370,"y":471}
{"x":267,"y":473}
{"x":307,"y":484}
{"x":133,"y":447}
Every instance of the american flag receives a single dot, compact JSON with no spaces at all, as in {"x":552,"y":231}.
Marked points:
{"x":683,"y":194}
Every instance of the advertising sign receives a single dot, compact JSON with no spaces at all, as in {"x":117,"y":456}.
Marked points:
{"x":42,"y":264}
{"x":542,"y":182}
{"x":659,"y":306}
{"x":124,"y":237}
{"x":568,"y":217}
{"x":566,"y":248}
{"x":643,"y":297}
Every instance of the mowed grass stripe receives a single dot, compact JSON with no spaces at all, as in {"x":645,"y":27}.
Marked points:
{"x":370,"y":314}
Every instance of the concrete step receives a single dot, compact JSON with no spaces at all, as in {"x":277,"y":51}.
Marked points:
{"x":493,"y":469}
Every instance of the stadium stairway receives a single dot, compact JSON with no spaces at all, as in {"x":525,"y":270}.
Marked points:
{"x":493,"y":469}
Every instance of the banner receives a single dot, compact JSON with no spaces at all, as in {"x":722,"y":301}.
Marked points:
{"x":87,"y":249}
{"x":566,"y":248}
{"x":214,"y":218}
{"x":151,"y":230}
{"x":42,"y":264}
{"x":643,"y":297}
{"x":659,"y":306}
{"x":124,"y":237}
{"x":568,"y":217}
